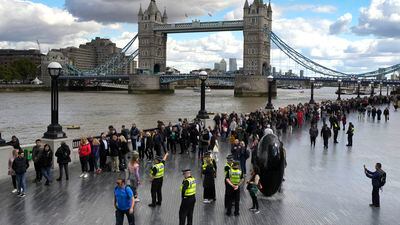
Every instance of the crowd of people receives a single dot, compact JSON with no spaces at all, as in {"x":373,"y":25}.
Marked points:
{"x":108,"y":153}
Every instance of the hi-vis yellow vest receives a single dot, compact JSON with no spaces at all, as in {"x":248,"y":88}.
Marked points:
{"x":160,"y":170}
{"x":191,"y":190}
{"x":235,"y":176}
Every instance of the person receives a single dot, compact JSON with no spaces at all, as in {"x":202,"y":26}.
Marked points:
{"x":326,"y":134}
{"x":36,"y":151}
{"x":313,"y":134}
{"x":209,"y":172}
{"x":268,"y":130}
{"x":204,"y":142}
{"x":124,"y":203}
{"x":350,"y":133}
{"x":134,"y":176}
{"x":11,"y":172}
{"x":114,"y":153}
{"x":15,"y":143}
{"x":157,"y":177}
{"x":227,"y":168}
{"x":141,"y":145}
{"x":243,"y":156}
{"x":378,"y":180}
{"x":379,"y":114}
{"x":125,"y":132}
{"x":63,"y":158}
{"x":336,"y":128}
{"x":149,"y":146}
{"x":234,"y":178}
{"x":188,"y":193}
{"x":252,"y":186}
{"x":96,"y":155}
{"x":104,"y":151}
{"x":84,"y":151}
{"x":373,"y":113}
{"x":134,"y":132}
{"x":124,"y":150}
{"x":386,"y":114}
{"x":20,"y":165}
{"x":344,"y":121}
{"x":46,"y":162}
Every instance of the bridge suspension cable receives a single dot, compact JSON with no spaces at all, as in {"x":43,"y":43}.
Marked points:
{"x":318,"y":68}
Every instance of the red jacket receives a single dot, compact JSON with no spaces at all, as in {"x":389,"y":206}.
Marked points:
{"x":84,"y":150}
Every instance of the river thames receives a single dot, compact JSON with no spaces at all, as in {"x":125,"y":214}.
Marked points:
{"x":27,"y":114}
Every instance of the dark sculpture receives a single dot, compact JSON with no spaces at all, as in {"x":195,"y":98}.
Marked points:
{"x":2,"y":142}
{"x":271,"y":162}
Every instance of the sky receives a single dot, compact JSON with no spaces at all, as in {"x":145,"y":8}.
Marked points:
{"x":349,"y":36}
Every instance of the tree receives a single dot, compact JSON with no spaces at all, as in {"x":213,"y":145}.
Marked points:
{"x":7,"y":73}
{"x":24,"y":68}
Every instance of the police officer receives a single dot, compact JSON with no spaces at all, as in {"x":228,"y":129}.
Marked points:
{"x":234,"y":178}
{"x":227,"y":168}
{"x":157,"y":175}
{"x":188,"y":193}
{"x":336,"y":129}
{"x":350,"y":133}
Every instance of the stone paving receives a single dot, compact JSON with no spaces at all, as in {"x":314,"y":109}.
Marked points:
{"x":321,"y":187}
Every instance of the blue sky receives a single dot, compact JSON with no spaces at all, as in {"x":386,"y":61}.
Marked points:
{"x":337,"y":34}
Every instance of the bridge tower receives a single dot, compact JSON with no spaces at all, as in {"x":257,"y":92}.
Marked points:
{"x":152,"y":45}
{"x":257,"y":23}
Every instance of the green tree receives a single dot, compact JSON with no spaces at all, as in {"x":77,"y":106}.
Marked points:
{"x":24,"y":68}
{"x":7,"y":73}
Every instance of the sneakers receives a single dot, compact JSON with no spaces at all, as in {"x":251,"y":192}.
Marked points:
{"x":206,"y":201}
{"x":14,"y":191}
{"x":257,"y":211}
{"x":137,"y":200}
{"x":86,"y":175}
{"x":83,"y":174}
{"x":21,"y":195}
{"x":252,"y":209}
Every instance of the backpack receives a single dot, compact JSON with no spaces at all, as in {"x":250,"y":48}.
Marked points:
{"x":383,"y":179}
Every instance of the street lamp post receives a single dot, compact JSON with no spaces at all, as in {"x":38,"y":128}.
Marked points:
{"x":269,"y":105}
{"x":54,"y":130}
{"x":312,"y":80}
{"x":387,"y":90}
{"x":358,"y":88}
{"x":372,"y":89}
{"x":203,"y":76}
{"x":339,"y":89}
{"x":380,"y":89}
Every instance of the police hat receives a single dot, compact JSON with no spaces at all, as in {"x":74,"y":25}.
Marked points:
{"x":235,"y":164}
{"x":229,"y":157}
{"x":207,"y":154}
{"x":158,"y":158}
{"x":186,"y":170}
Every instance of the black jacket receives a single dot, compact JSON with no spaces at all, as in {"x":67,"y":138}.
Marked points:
{"x":20,"y":165}
{"x":63,"y":154}
{"x":46,"y":158}
{"x":114,"y":148}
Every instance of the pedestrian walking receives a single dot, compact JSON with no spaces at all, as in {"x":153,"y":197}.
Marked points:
{"x":326,"y":134}
{"x":378,"y":181}
{"x":379,"y":114}
{"x":188,"y":194}
{"x":20,"y":165}
{"x":386,"y":114}
{"x":46,"y":163}
{"x":124,"y":203}
{"x":63,"y":158}
{"x":157,"y":177}
{"x":313,"y":134}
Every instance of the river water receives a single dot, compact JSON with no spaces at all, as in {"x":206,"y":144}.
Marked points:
{"x":27,"y":114}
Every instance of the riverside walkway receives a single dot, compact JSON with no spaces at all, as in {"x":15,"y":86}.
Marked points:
{"x":321,"y":187}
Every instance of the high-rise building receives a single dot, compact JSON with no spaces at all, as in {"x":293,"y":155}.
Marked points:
{"x":9,"y":56}
{"x":232,"y":65}
{"x":222,"y":66}
{"x":216,"y":66}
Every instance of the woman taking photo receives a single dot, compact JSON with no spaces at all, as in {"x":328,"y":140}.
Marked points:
{"x":252,"y":186}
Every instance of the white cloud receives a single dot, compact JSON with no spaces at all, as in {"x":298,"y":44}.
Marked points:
{"x":341,"y":25}
{"x":381,"y":18}
{"x":308,"y":7}
{"x":24,"y":22}
{"x":108,"y":11}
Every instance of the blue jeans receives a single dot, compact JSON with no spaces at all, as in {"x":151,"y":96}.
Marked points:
{"x":119,"y":216}
{"x":21,"y":181}
{"x":46,"y":171}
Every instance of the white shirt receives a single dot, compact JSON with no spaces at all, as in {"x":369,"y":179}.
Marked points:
{"x":268,"y":131}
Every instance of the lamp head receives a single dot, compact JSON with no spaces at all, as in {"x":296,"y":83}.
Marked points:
{"x":203,"y":75}
{"x":270,"y":78}
{"x":312,"y":79}
{"x":339,"y":81}
{"x":54,"y":69}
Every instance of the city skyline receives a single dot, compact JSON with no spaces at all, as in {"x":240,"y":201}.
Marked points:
{"x":345,"y":37}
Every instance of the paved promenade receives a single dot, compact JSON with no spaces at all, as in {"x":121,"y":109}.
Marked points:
{"x":321,"y":187}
